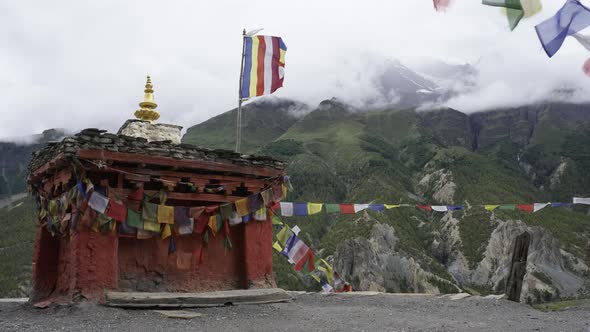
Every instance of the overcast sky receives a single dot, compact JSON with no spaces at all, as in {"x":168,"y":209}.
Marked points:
{"x":76,"y":64}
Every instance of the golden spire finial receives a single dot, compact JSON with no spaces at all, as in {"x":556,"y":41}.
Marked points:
{"x":147,"y":111}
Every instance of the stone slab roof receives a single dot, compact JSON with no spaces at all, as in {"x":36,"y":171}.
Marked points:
{"x":95,"y":139}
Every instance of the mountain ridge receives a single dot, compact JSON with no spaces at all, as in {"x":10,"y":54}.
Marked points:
{"x":340,"y":154}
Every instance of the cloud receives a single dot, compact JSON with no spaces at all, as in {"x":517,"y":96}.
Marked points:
{"x":77,"y":64}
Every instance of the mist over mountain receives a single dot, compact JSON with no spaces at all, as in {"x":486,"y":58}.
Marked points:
{"x":399,"y":143}
{"x":15,"y":154}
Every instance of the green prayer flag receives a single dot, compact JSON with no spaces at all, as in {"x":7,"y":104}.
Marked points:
{"x":218,"y":222}
{"x":507,"y":207}
{"x":134,"y":219}
{"x":149,"y":212}
{"x":332,"y":208}
{"x":514,"y":10}
{"x":102,"y":219}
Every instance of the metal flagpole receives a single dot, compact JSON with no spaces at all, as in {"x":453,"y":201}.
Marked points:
{"x":239,"y":119}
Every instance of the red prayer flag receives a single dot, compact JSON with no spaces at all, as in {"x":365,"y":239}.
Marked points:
{"x":136,"y":195}
{"x":201,"y":223}
{"x":116,"y":211}
{"x":424,"y":207}
{"x":308,"y":258}
{"x":275,"y":207}
{"x":212,"y":209}
{"x":441,"y":5}
{"x":347,"y":209}
{"x":586,"y":67}
{"x":195,"y":212}
{"x":526,"y":207}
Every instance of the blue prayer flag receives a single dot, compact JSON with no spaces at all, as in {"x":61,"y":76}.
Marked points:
{"x":455,"y":207}
{"x":570,"y":19}
{"x":377,"y":207}
{"x":300,"y":209}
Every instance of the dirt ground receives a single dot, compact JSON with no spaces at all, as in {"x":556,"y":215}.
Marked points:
{"x":308,"y":312}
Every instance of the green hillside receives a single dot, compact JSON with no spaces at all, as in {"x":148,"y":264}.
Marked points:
{"x":339,"y":155}
{"x":257,"y":128}
{"x":17,"y":222}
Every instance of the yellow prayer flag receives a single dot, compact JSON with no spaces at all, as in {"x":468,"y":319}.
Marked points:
{"x":53,"y":208}
{"x":313,"y":208}
{"x":165,"y":214}
{"x":387,"y":206}
{"x":242,"y":207}
{"x":284,"y":235}
{"x":213,"y":224}
{"x":490,"y":207}
{"x":276,"y":221}
{"x":166,"y":232}
{"x":328,"y":270}
{"x":284,"y":187}
{"x":315,"y":277}
{"x":42,"y":214}
{"x":277,"y":246}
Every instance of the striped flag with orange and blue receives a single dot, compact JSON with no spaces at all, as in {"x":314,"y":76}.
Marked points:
{"x":264,"y":65}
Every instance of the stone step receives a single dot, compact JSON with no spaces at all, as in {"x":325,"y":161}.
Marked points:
{"x":195,"y":300}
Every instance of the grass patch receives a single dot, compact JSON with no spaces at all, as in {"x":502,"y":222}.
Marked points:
{"x":475,"y":230}
{"x":562,"y":305}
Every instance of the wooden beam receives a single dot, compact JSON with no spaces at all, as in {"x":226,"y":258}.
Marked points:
{"x":39,"y":171}
{"x":136,"y":177}
{"x":193,"y":176}
{"x":197,"y":197}
{"x":183,"y":163}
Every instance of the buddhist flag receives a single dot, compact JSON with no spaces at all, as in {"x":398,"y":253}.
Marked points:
{"x":569,"y":20}
{"x":264,"y":65}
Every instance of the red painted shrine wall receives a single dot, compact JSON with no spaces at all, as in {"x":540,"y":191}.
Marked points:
{"x":85,"y":264}
{"x":80,"y":265}
{"x":145,"y":265}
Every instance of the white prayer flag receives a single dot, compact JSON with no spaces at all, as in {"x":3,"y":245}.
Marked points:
{"x":260,"y":215}
{"x":539,"y":206}
{"x":98,"y":202}
{"x":188,"y":228}
{"x":439,"y":208}
{"x":360,"y":207}
{"x":582,"y":200}
{"x":235,"y":219}
{"x":286,"y":209}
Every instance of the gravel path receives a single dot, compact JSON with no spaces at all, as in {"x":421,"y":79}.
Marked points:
{"x":309,"y":312}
